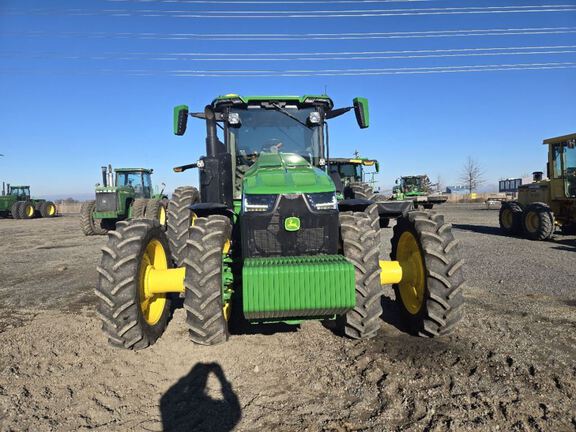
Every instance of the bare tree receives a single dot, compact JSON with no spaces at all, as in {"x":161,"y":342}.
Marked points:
{"x":471,"y":175}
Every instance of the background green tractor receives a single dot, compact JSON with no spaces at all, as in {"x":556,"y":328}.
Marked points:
{"x":544,"y":204}
{"x":356,"y":185}
{"x":265,"y":240}
{"x":125,"y":193}
{"x":16,"y":202}
{"x":417,"y":189}
{"x":356,"y":181}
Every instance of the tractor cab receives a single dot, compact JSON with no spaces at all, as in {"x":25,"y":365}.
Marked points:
{"x":22,"y":193}
{"x":137,"y":179}
{"x":354,"y":170}
{"x":414,"y":185}
{"x":562,"y":166}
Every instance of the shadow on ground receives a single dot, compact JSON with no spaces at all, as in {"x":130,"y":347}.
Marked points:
{"x":189,"y":406}
{"x":480,"y":229}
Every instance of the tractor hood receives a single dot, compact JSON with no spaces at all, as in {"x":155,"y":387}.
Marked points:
{"x":285,"y":173}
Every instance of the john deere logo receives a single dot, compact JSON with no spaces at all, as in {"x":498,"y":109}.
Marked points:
{"x":292,"y":223}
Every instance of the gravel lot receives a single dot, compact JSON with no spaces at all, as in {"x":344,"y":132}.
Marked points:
{"x":511,"y":364}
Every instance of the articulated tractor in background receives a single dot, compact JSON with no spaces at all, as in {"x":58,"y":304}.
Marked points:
{"x":417,"y":189}
{"x":264,"y":239}
{"x":16,"y":202}
{"x":545,"y":204}
{"x":124,"y":193}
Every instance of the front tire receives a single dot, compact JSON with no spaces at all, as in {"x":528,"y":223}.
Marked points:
{"x":207,"y":310}
{"x":15,"y":210}
{"x":430,"y":293}
{"x":538,"y":221}
{"x":510,"y":218}
{"x":360,"y":246}
{"x":131,"y":317}
{"x":179,"y":219}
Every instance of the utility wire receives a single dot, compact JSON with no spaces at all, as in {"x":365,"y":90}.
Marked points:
{"x":354,"y":13}
{"x":305,"y":73}
{"x":303,"y":56}
{"x":300,"y":36}
{"x":264,"y":2}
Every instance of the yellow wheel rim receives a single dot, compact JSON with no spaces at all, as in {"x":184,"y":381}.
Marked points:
{"x":30,"y":211}
{"x":51,"y":210}
{"x":507,"y":218}
{"x":151,"y":305}
{"x":413,"y":284}
{"x":532,"y":222}
{"x":162,"y":215}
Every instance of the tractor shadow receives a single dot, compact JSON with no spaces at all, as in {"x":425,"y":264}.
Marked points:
{"x":565,"y":244}
{"x":189,"y":404}
{"x":480,"y":229}
{"x":392,"y":315}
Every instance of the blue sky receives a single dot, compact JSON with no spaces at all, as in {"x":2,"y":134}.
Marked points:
{"x":71,"y":102}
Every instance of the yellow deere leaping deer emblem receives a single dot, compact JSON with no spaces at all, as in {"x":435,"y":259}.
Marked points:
{"x":292,"y":223}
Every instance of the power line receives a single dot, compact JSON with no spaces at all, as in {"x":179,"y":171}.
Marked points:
{"x":264,"y":2}
{"x":354,"y":13}
{"x":301,"y":36}
{"x":306,"y":56}
{"x":308,"y":72}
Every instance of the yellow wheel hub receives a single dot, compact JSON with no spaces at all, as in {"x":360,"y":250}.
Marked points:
{"x":51,"y":210}
{"x":30,"y":211}
{"x":162,"y":215}
{"x":532,"y":222}
{"x":151,"y":304}
{"x":413,"y":284}
{"x":507,"y":218}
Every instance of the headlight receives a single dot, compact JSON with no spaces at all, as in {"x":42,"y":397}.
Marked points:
{"x":260,"y":203}
{"x":323,"y":201}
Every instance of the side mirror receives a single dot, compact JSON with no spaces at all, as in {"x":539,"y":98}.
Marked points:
{"x":361,"y":111}
{"x":396,"y":181}
{"x":377,"y":166}
{"x":180,"y":119}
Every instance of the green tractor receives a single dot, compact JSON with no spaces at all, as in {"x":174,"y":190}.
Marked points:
{"x":265,"y":240}
{"x":417,"y":189}
{"x":545,"y":203}
{"x":124,"y":193}
{"x":354,"y":184}
{"x":16,"y":202}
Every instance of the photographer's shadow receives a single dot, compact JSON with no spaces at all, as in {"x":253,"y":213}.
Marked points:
{"x":187,"y":406}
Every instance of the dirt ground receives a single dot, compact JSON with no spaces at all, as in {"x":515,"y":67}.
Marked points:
{"x":511,"y":364}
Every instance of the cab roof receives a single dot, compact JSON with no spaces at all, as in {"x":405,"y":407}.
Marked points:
{"x":18,"y":186}
{"x":355,"y":161}
{"x":560,"y":139}
{"x":144,"y":170}
{"x":235,"y":99}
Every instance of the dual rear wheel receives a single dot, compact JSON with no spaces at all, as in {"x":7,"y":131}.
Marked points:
{"x":535,"y":221}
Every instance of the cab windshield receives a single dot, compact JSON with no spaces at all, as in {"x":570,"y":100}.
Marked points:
{"x":570,"y":171}
{"x":270,"y":130}
{"x":351,"y":171}
{"x":20,"y":191}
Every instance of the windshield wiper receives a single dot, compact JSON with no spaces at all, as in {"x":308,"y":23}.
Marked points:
{"x":286,"y":113}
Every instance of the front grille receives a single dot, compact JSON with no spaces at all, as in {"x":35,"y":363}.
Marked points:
{"x":263,"y":234}
{"x":106,"y":201}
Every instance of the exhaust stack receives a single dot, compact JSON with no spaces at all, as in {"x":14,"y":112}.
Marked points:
{"x":104,"y":177}
{"x":3,"y":189}
{"x":110,"y":176}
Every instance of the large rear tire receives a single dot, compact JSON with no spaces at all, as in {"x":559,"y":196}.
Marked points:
{"x":26,"y":210}
{"x":15,"y":210}
{"x":131,"y":317}
{"x":360,"y":246}
{"x":207,"y":310}
{"x":538,"y":221}
{"x":179,"y":219}
{"x":138,"y":208}
{"x":47,"y":209}
{"x":430,"y":293}
{"x":156,"y":210}
{"x":510,"y":218}
{"x":362,"y":191}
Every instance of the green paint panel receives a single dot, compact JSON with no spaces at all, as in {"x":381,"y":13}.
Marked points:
{"x":276,"y":173}
{"x":279,"y":288}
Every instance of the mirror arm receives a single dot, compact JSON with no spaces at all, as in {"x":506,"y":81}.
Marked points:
{"x":183,"y":168}
{"x":336,"y":112}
